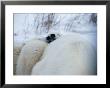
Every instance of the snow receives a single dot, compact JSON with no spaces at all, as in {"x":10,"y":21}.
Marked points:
{"x":29,"y":26}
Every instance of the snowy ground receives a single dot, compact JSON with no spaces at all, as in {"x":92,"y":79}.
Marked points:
{"x":28,"y":26}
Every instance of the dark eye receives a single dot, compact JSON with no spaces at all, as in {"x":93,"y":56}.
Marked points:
{"x":52,"y":35}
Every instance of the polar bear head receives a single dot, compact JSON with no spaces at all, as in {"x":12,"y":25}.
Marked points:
{"x":52,"y":36}
{"x":49,"y":37}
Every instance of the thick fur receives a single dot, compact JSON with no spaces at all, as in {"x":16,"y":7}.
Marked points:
{"x":16,"y":53}
{"x":29,"y":56}
{"x":68,"y":55}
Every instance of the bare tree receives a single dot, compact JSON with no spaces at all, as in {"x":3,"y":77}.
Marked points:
{"x":93,"y":18}
{"x":51,"y":21}
{"x":26,"y":27}
{"x":45,"y":22}
{"x":71,"y":23}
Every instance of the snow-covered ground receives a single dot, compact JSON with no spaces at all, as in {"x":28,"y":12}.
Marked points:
{"x":28,"y":26}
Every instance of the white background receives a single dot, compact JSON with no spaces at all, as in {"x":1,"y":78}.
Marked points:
{"x":101,"y":44}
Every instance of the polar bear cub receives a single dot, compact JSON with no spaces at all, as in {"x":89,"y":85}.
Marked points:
{"x":68,"y":55}
{"x":17,"y":49}
{"x":30,"y":54}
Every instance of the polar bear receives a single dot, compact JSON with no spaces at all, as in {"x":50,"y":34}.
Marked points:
{"x":17,"y":49}
{"x":30,"y":54}
{"x":68,"y":55}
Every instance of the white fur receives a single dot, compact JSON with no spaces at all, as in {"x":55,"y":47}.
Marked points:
{"x":17,"y":49}
{"x":30,"y":54}
{"x":68,"y":55}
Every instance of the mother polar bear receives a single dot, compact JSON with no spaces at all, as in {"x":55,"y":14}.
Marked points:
{"x":68,"y":55}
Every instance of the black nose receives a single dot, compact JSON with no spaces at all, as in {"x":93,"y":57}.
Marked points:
{"x":50,"y":38}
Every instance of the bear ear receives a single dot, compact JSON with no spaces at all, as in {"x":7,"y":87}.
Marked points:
{"x":58,"y":35}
